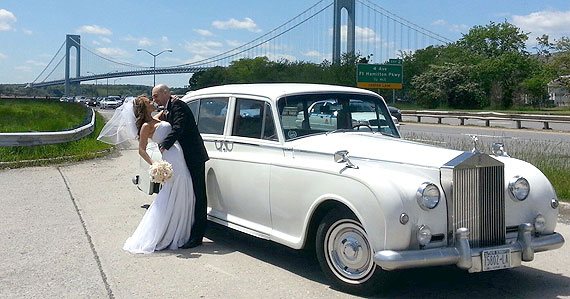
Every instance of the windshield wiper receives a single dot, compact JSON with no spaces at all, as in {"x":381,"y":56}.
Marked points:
{"x":338,"y":130}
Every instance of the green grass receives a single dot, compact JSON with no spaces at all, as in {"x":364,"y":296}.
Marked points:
{"x":39,"y":115}
{"x":553,"y":159}
{"x":58,"y":116}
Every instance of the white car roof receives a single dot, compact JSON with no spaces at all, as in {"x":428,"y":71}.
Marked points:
{"x":273,"y":91}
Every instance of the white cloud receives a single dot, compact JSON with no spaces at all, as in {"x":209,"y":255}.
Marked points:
{"x":553,"y":23}
{"x":113,"y":52}
{"x":195,"y":58}
{"x":360,"y":34}
{"x":140,"y":41}
{"x":144,"y":42}
{"x":94,"y":29}
{"x":35,"y":63}
{"x":439,"y":22}
{"x":205,"y":48}
{"x":461,"y":28}
{"x":280,"y":56}
{"x":313,"y":53}
{"x":234,"y":43}
{"x":23,"y":68}
{"x":246,"y":23}
{"x":27,"y":31}
{"x":203,"y":32}
{"x":3,"y":56}
{"x":6,"y":20}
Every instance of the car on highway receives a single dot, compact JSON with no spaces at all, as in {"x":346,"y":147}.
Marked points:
{"x":110,"y":103}
{"x":92,"y":102}
{"x":395,"y":112}
{"x":352,"y":190}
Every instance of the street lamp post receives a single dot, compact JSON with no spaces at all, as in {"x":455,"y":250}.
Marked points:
{"x":154,"y":62}
{"x":96,"y":93}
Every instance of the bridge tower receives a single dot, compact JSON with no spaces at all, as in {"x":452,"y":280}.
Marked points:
{"x":72,"y":41}
{"x":350,"y":27}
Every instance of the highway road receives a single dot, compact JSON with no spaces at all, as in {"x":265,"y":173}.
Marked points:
{"x":63,"y":227}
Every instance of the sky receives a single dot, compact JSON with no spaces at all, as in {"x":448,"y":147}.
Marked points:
{"x":31,"y":31}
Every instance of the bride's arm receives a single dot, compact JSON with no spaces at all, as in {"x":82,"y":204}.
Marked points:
{"x":143,"y":141}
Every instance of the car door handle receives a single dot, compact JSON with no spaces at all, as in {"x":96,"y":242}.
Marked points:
{"x":219,"y":144}
{"x":228,"y":145}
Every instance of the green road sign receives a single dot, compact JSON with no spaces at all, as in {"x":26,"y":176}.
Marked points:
{"x":383,"y":76}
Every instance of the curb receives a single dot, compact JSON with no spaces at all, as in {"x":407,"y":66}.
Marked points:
{"x":51,"y":161}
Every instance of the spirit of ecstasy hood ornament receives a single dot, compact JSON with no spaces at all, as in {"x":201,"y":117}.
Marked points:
{"x":474,"y":139}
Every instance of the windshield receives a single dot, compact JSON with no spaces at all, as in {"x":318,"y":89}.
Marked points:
{"x":327,"y":112}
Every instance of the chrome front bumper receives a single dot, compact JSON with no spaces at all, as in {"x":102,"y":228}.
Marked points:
{"x":522,"y":249}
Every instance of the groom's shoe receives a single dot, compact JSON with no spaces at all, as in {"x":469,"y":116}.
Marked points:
{"x":192,"y":244}
{"x":145,"y":206}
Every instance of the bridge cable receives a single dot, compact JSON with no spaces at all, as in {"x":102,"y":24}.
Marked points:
{"x":49,"y":63}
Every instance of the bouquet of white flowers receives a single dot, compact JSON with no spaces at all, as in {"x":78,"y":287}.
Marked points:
{"x":160,"y":171}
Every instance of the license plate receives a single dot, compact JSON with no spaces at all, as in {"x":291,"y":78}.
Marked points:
{"x":496,"y":259}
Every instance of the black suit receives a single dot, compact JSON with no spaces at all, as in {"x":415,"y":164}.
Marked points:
{"x":185,"y":131}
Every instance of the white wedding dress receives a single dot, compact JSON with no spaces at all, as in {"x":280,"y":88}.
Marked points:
{"x":167,"y":222}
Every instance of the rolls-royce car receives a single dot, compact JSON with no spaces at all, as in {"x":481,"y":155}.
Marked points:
{"x":323,"y":167}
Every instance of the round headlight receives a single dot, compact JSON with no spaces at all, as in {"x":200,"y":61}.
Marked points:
{"x":519,"y":188}
{"x":424,"y":235}
{"x":428,"y":196}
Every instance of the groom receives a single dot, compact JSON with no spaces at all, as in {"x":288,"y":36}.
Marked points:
{"x":185,"y":131}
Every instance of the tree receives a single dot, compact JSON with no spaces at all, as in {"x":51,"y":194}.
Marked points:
{"x":450,"y":85}
{"x":494,"y":40}
{"x":544,"y":46}
{"x":503,"y":61}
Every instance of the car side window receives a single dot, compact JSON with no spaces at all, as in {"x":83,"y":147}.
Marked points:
{"x":253,"y":119}
{"x":195,"y":108}
{"x":211,"y":115}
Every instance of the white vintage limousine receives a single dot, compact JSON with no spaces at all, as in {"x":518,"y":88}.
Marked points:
{"x":366,"y":200}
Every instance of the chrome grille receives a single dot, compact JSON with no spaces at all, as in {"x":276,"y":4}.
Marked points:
{"x":474,"y":186}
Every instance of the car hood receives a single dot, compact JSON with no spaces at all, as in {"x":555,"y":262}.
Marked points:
{"x":376,"y":147}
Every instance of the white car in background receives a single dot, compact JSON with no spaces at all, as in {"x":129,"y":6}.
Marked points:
{"x":350,"y":188}
{"x":110,"y":103}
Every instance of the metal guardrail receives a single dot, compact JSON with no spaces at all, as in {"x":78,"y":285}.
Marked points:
{"x":44,"y":138}
{"x":488,"y":117}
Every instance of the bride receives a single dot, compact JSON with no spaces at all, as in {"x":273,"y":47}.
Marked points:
{"x":168,"y":221}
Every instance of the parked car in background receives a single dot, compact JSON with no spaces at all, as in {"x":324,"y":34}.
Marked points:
{"x":324,"y":115}
{"x":395,"y":112}
{"x":109,"y":103}
{"x":92,"y":102}
{"x":349,"y":188}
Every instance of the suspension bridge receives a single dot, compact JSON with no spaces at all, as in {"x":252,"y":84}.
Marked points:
{"x":320,"y":33}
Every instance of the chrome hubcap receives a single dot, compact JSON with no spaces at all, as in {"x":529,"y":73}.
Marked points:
{"x":348,"y":252}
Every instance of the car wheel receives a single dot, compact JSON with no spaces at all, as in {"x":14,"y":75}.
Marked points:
{"x":345,"y":254}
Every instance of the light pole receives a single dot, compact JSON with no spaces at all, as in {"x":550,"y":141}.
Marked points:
{"x":96,"y":93}
{"x":154,"y":62}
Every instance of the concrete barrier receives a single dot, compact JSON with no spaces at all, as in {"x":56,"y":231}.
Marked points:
{"x":487,"y":117}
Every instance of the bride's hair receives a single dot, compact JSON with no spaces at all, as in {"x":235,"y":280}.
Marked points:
{"x":140,"y":110}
